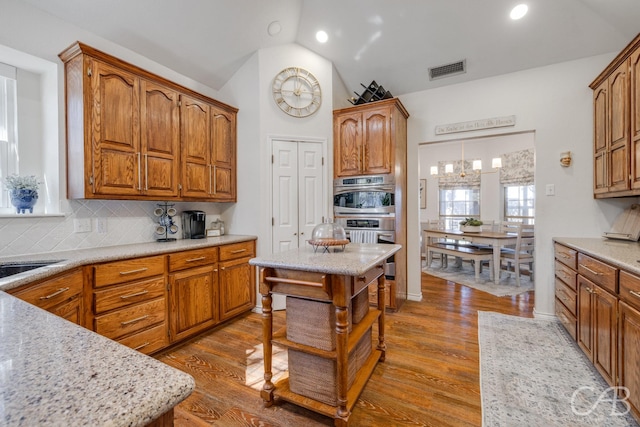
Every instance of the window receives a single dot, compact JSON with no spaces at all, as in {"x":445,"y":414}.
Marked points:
{"x":456,"y":204}
{"x":519,"y":203}
{"x":8,"y":127}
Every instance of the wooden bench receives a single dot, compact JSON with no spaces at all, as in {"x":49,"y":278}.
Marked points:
{"x":465,"y":252}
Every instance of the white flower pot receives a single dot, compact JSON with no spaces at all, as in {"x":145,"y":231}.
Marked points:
{"x":470,"y":228}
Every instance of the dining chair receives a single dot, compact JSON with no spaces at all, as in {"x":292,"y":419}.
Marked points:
{"x":522,"y":253}
{"x":435,"y":224}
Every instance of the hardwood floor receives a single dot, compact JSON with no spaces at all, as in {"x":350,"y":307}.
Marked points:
{"x":430,"y":376}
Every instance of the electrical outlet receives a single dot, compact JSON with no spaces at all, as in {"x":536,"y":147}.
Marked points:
{"x":101,"y":225}
{"x":82,"y":225}
{"x":550,"y":190}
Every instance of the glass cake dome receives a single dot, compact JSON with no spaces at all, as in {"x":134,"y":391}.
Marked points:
{"x":328,"y":230}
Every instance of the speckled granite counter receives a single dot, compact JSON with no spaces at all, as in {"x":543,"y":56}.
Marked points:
{"x":75,"y":258}
{"x":356,"y":259}
{"x":619,"y":253}
{"x":60,"y":374}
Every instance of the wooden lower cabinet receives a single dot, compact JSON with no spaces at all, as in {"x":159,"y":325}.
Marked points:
{"x":149,"y":303}
{"x":129,"y":302}
{"x":629,"y":354}
{"x":237,"y":279}
{"x":193,"y":296}
{"x":597,"y":323}
{"x":61,"y":295}
{"x":237,"y":287}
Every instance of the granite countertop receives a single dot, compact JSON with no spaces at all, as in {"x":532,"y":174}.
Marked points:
{"x":60,"y":374}
{"x":356,"y":258}
{"x":75,"y":258}
{"x":619,"y":253}
{"x":56,"y":373}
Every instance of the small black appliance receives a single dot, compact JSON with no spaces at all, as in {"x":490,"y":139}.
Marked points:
{"x":193,"y":224}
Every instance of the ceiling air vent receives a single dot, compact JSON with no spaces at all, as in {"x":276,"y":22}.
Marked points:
{"x":447,"y":70}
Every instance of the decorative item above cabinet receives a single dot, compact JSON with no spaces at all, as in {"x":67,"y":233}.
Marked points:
{"x":134,"y":135}
{"x":616,"y":126}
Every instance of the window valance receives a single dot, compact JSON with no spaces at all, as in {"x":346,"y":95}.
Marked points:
{"x":454,"y":180}
{"x":518,"y":168}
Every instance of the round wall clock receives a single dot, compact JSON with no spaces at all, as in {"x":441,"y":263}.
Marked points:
{"x":297,"y":92}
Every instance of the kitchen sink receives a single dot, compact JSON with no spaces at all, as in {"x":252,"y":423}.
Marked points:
{"x":10,"y":269}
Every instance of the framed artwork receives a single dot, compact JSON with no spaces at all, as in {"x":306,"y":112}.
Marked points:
{"x":423,"y":194}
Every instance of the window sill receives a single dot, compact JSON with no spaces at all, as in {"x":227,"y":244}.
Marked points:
{"x":32,"y":215}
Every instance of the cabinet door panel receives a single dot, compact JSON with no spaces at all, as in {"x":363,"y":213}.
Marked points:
{"x":160,"y":139}
{"x":629,"y":354}
{"x":237,"y":287}
{"x":377,"y":141}
{"x":348,"y":145}
{"x":634,"y":108}
{"x":585,"y":310}
{"x":600,"y":117}
{"x":604,"y":330}
{"x":116,"y":132}
{"x":619,"y":105}
{"x":193,"y":301}
{"x":196,"y":154}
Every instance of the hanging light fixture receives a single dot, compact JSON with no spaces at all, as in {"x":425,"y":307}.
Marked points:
{"x":496,"y":163}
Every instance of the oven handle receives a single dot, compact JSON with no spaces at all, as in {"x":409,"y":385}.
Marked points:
{"x":358,"y":212}
{"x":341,"y":190}
{"x":378,"y":233}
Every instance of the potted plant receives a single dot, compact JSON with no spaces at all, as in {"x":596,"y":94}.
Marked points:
{"x":23,"y":191}
{"x":471,"y":225}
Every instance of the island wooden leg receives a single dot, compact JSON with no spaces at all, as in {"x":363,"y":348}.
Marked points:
{"x":267,"y":332}
{"x":342,"y":337}
{"x":382,"y":302}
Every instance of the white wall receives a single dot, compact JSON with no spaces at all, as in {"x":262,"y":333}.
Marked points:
{"x":484,"y":149}
{"x":555,"y":102}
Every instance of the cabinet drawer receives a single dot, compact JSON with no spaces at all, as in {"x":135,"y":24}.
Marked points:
{"x":598,"y":272}
{"x":566,"y":255}
{"x":128,"y":320}
{"x":566,"y":295}
{"x":128,"y":270}
{"x":149,"y":340}
{"x":54,"y":291}
{"x":567,"y":319}
{"x":122,"y":296}
{"x":237,"y":250}
{"x":567,"y":275}
{"x":194,"y":258}
{"x":630,"y":289}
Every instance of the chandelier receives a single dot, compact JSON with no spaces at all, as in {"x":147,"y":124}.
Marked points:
{"x":476,"y":166}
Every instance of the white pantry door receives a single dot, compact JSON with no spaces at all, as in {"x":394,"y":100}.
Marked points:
{"x":298,"y":188}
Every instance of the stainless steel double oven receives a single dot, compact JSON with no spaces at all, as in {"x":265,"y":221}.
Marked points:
{"x":367,"y":203}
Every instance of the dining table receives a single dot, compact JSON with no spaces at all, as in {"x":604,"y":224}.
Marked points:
{"x":496,"y":239}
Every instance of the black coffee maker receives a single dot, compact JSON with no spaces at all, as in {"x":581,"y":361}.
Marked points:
{"x":193,"y":224}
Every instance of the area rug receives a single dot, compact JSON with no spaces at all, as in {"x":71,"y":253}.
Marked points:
{"x":533,"y":374}
{"x":465,"y":275}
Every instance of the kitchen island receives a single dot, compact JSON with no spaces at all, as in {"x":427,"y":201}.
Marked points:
{"x":323,"y":280}
{"x":55,"y":373}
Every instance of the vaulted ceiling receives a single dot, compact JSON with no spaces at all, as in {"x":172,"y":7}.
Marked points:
{"x":393,"y":42}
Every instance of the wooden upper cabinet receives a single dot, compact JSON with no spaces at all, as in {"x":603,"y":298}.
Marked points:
{"x":196,"y":148}
{"x":223,"y":154}
{"x":634,"y":116}
{"x":115,"y":122}
{"x":377,"y":144}
{"x":365,"y":139}
{"x":160,"y":139}
{"x":616,"y":151}
{"x":347,"y":144}
{"x":128,"y":132}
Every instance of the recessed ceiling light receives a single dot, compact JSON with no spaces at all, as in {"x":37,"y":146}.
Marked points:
{"x":274,"y":28}
{"x":519,"y":11}
{"x":322,"y":36}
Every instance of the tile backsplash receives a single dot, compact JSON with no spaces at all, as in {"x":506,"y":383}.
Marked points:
{"x":127,"y":222}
